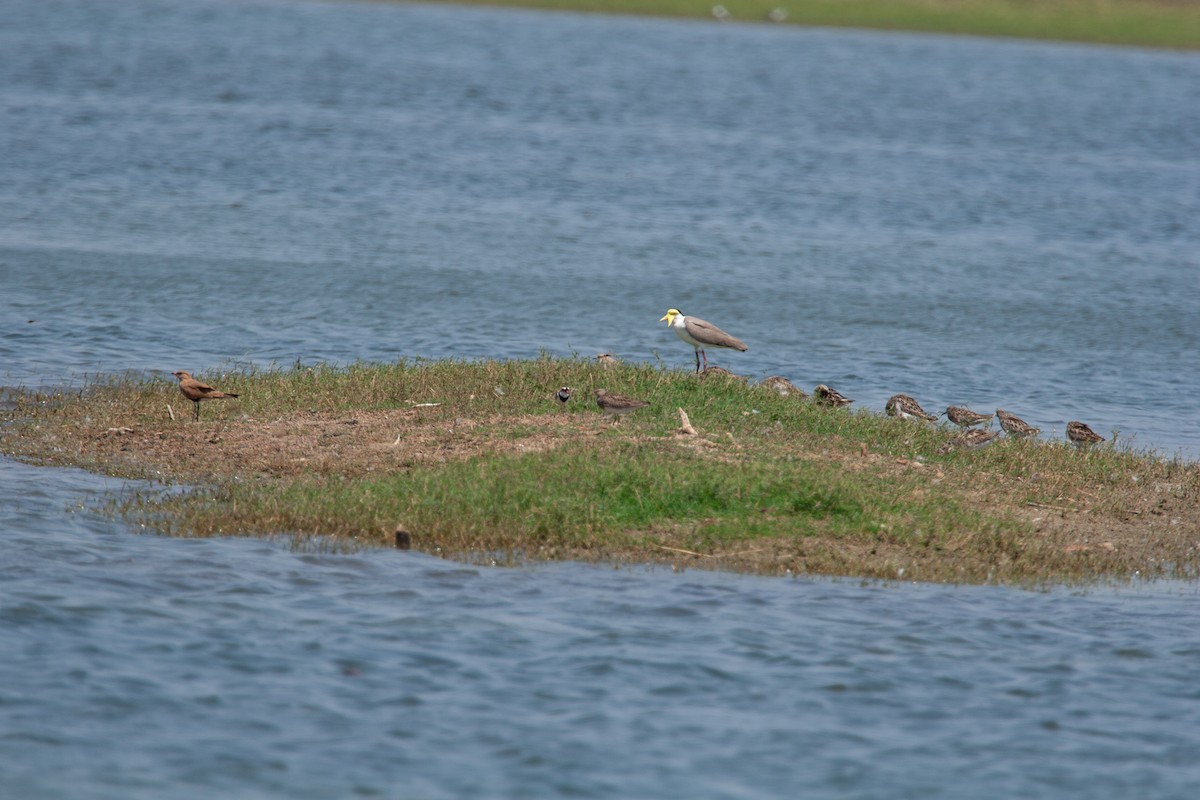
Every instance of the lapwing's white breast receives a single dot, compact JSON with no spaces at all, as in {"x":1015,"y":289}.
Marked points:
{"x":679,"y":325}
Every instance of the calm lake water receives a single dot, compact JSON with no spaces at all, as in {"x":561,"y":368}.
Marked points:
{"x":201,"y":185}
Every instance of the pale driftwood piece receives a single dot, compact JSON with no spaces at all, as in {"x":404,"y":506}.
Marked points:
{"x":681,"y":550}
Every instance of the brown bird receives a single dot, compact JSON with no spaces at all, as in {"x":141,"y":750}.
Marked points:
{"x":720,"y":372}
{"x":617,"y":405}
{"x":964,"y":417}
{"x":607,"y":360}
{"x":700,"y":334}
{"x":783,"y":387}
{"x":830,"y":397}
{"x":196,"y":391}
{"x":1014,"y":425}
{"x":905,"y":407}
{"x":1081,"y":435}
{"x":969,"y":439}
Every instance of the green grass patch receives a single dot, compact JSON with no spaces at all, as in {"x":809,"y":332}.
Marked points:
{"x":1148,"y":23}
{"x":479,"y":460}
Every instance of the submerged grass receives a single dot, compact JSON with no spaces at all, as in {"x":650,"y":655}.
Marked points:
{"x":478,"y":460}
{"x":1148,"y":23}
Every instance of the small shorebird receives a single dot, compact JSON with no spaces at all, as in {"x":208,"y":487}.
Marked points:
{"x":1014,"y":425}
{"x":964,"y":417}
{"x":700,"y":334}
{"x":970,"y":439}
{"x":720,"y":371}
{"x":617,"y":405}
{"x":782,"y":386}
{"x":607,"y":360}
{"x":1081,"y":435}
{"x":563,"y":394}
{"x":905,"y":407}
{"x":196,"y":391}
{"x":830,"y":397}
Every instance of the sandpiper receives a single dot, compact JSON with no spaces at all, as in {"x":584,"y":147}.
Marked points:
{"x":196,"y":391}
{"x":563,"y":394}
{"x":1014,"y":425}
{"x":905,"y":407}
{"x":700,"y":334}
{"x":830,"y":397}
{"x":970,"y":439}
{"x":964,"y":417}
{"x":607,"y":360}
{"x":617,"y":404}
{"x":720,"y":372}
{"x":1081,"y":435}
{"x":782,"y":386}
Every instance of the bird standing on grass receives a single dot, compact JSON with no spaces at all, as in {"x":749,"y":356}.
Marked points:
{"x":563,"y":394}
{"x":196,"y":391}
{"x":618,"y":405}
{"x":964,"y":417}
{"x":700,"y":334}
{"x":1014,"y":425}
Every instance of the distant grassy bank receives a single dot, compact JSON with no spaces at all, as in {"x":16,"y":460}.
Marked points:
{"x":1148,"y":23}
{"x":479,"y":460}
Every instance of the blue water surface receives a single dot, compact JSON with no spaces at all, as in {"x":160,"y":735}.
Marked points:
{"x":208,"y":184}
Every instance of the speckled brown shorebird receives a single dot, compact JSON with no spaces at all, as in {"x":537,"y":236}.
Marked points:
{"x":964,"y":417}
{"x":700,"y":334}
{"x":196,"y":391}
{"x":905,"y":407}
{"x":1014,"y":425}
{"x":1081,"y":435}
{"x":970,"y":440}
{"x":782,"y":386}
{"x":720,"y":372}
{"x":830,"y":396}
{"x":618,"y":405}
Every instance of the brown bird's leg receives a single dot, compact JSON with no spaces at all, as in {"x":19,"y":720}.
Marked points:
{"x":196,"y":409}
{"x":697,"y":361}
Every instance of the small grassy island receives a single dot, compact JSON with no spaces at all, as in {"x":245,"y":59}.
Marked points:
{"x":1145,"y":23}
{"x":482,"y":461}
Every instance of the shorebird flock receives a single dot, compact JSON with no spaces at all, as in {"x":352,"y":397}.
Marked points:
{"x":702,"y":335}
